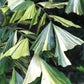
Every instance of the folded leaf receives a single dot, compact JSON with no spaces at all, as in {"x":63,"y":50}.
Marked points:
{"x":11,"y":42}
{"x":49,"y":74}
{"x":45,"y":41}
{"x":16,"y":78}
{"x":29,"y":14}
{"x":21,"y":49}
{"x":64,"y":42}
{"x":34,"y":70}
{"x":75,"y":6}
{"x":13,"y":3}
{"x":52,"y":75}
{"x":23,"y":6}
{"x":16,"y":16}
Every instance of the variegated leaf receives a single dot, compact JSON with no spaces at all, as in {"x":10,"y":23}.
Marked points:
{"x":75,"y":6}
{"x":13,"y":3}
{"x":64,"y":42}
{"x":45,"y":41}
{"x":21,"y":49}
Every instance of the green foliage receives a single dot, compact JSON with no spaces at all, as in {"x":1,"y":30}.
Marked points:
{"x":75,"y":6}
{"x":18,"y":50}
{"x":33,"y":40}
{"x":43,"y":42}
{"x":49,"y":75}
{"x":64,"y":22}
{"x":16,"y":78}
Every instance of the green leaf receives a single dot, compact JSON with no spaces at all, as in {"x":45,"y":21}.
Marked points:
{"x":4,"y":9}
{"x":4,"y":66}
{"x":29,"y":14}
{"x":23,"y":6}
{"x":19,"y":10}
{"x":2,"y":79}
{"x":50,"y":5}
{"x":42,"y":22}
{"x":45,"y":41}
{"x":16,"y":16}
{"x":37,"y":81}
{"x":21,"y":49}
{"x":14,"y":3}
{"x":35,"y":18}
{"x":1,"y":18}
{"x":82,"y":53}
{"x":16,"y":78}
{"x":64,"y":22}
{"x":5,"y":18}
{"x":11,"y":41}
{"x":80,"y":68}
{"x":2,"y":32}
{"x":64,"y":42}
{"x":2,"y":2}
{"x":52,"y":76}
{"x":75,"y":6}
{"x":5,"y":35}
{"x":29,"y":34}
{"x":49,"y":75}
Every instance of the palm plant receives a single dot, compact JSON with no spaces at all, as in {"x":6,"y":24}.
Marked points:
{"x":33,"y":44}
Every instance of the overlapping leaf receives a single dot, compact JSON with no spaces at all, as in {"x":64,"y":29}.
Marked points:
{"x":16,"y":78}
{"x":16,"y":16}
{"x":35,"y":18}
{"x":52,"y":75}
{"x":64,"y":42}
{"x":19,"y":11}
{"x":13,"y":3}
{"x":75,"y":6}
{"x":11,"y":42}
{"x":29,"y":34}
{"x":49,"y":75}
{"x":21,"y":49}
{"x":29,"y":14}
{"x":45,"y":41}
{"x":5,"y":35}
{"x":23,"y":6}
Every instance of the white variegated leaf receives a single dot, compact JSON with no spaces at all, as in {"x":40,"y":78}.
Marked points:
{"x":75,"y":6}
{"x":45,"y":41}
{"x":13,"y":3}
{"x":34,"y":70}
{"x":49,"y":74}
{"x":64,"y":42}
